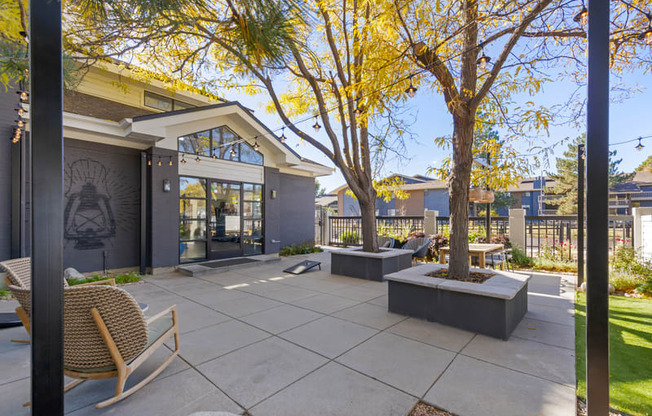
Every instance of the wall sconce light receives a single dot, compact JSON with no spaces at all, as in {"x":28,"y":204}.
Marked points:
{"x":273,"y":193}
{"x":166,"y":185}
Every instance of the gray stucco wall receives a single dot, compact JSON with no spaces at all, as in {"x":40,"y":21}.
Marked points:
{"x":8,"y":101}
{"x":163,"y":239}
{"x":272,"y":215}
{"x":437,"y":199}
{"x":297,"y":203}
{"x":101,"y":206}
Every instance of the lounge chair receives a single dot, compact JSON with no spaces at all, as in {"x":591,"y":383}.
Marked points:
{"x":419,"y":246}
{"x":385,"y":242}
{"x":19,"y":273}
{"x":105,"y":335}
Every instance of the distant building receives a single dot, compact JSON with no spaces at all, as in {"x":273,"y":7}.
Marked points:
{"x":530,"y":194}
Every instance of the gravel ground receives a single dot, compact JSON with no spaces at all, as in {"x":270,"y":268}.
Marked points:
{"x":422,"y":409}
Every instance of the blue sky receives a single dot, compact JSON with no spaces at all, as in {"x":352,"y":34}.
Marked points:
{"x":629,"y":119}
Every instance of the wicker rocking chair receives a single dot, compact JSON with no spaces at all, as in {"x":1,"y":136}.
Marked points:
{"x":106,"y":335}
{"x":18,"y":272}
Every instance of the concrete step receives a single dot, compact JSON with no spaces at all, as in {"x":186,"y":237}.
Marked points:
{"x":221,"y":266}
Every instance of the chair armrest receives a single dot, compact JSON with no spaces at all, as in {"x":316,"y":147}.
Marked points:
{"x":100,"y":282}
{"x":161,"y":314}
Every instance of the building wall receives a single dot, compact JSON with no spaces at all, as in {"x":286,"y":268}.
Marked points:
{"x":297,"y":209}
{"x":437,"y":199}
{"x":414,"y":205}
{"x":272,"y":207}
{"x":8,"y":101}
{"x":101,"y":206}
{"x":163,"y":213}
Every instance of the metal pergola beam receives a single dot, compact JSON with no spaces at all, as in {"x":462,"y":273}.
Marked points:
{"x":46,"y":118}
{"x":597,"y":218}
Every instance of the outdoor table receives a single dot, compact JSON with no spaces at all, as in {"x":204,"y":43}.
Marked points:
{"x":479,"y":250}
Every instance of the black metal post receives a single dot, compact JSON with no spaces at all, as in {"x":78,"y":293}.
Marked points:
{"x":597,"y":218}
{"x":488,"y":208}
{"x":47,"y":207}
{"x":580,"y":214}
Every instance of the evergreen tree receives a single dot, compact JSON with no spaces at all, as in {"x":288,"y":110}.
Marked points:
{"x":566,"y":177}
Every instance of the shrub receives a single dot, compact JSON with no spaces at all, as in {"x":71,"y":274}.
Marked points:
{"x":303,"y":248}
{"x":436,"y":242}
{"x":350,"y":237}
{"x":520,"y":258}
{"x":498,"y":239}
{"x":120,"y":279}
{"x":625,"y":281}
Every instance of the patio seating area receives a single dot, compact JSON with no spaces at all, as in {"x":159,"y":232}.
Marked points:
{"x":272,"y":343}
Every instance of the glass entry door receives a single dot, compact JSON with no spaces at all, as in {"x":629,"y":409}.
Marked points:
{"x":225,"y":220}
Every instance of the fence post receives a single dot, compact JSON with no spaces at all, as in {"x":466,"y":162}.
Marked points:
{"x":326,"y":229}
{"x":430,"y":222}
{"x":517,"y":227}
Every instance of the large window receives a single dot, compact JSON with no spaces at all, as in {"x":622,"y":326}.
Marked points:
{"x":161,"y":102}
{"x":220,"y":143}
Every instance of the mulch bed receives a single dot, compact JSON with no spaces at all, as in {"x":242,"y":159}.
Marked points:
{"x":422,"y":409}
{"x":474,"y":277}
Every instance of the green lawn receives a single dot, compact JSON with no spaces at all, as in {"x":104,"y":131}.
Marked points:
{"x":630,"y":332}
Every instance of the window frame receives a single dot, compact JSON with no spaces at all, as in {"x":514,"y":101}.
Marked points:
{"x":211,"y":146}
{"x":173,"y":102}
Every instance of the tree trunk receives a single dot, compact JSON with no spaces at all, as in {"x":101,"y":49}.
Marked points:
{"x":458,"y":190}
{"x":368,"y":213}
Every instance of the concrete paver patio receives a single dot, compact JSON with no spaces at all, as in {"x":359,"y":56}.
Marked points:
{"x":268,"y":343}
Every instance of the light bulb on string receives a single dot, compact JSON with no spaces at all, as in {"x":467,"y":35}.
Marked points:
{"x":256,"y":145}
{"x":159,"y":163}
{"x":183,"y":159}
{"x":483,"y":60}
{"x":197,"y":159}
{"x":411,"y":90}
{"x":639,"y":146}
{"x":149,"y":162}
{"x":20,"y":111}
{"x":24,"y":95}
{"x":170,"y":162}
{"x":20,"y":123}
{"x":232,"y":152}
{"x":358,"y":109}
{"x":582,"y":17}
{"x":316,"y":126}
{"x":283,"y":138}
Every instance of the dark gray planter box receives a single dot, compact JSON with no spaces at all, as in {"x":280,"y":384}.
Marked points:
{"x":354,"y":262}
{"x":492,"y":308}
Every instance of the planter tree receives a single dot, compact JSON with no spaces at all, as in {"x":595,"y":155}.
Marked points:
{"x":324,"y":65}
{"x":528,"y":40}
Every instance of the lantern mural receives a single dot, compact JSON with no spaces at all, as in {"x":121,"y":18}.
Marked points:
{"x":88,"y":216}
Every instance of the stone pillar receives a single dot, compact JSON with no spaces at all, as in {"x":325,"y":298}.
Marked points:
{"x":517,"y":234}
{"x":430,"y":222}
{"x":642,"y":230}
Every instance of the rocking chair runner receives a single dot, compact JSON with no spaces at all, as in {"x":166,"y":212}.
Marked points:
{"x":106,"y":335}
{"x":19,"y":273}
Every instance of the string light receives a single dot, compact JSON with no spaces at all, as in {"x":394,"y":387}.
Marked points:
{"x":183,"y":159}
{"x":170,"y":162}
{"x":411,"y":90}
{"x":20,"y":123}
{"x":21,"y":111}
{"x":24,"y":95}
{"x":316,"y":126}
{"x":232,"y":152}
{"x":639,"y":146}
{"x":149,"y":162}
{"x":358,"y":109}
{"x":283,"y":138}
{"x":159,"y":163}
{"x":214,"y":155}
{"x":256,"y":146}
{"x":483,"y":60}
{"x":582,"y":17}
{"x":197,"y":159}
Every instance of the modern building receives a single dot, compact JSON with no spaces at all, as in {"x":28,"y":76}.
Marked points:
{"x":157,"y":178}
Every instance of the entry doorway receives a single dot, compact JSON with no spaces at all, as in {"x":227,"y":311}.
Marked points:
{"x":235,"y":220}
